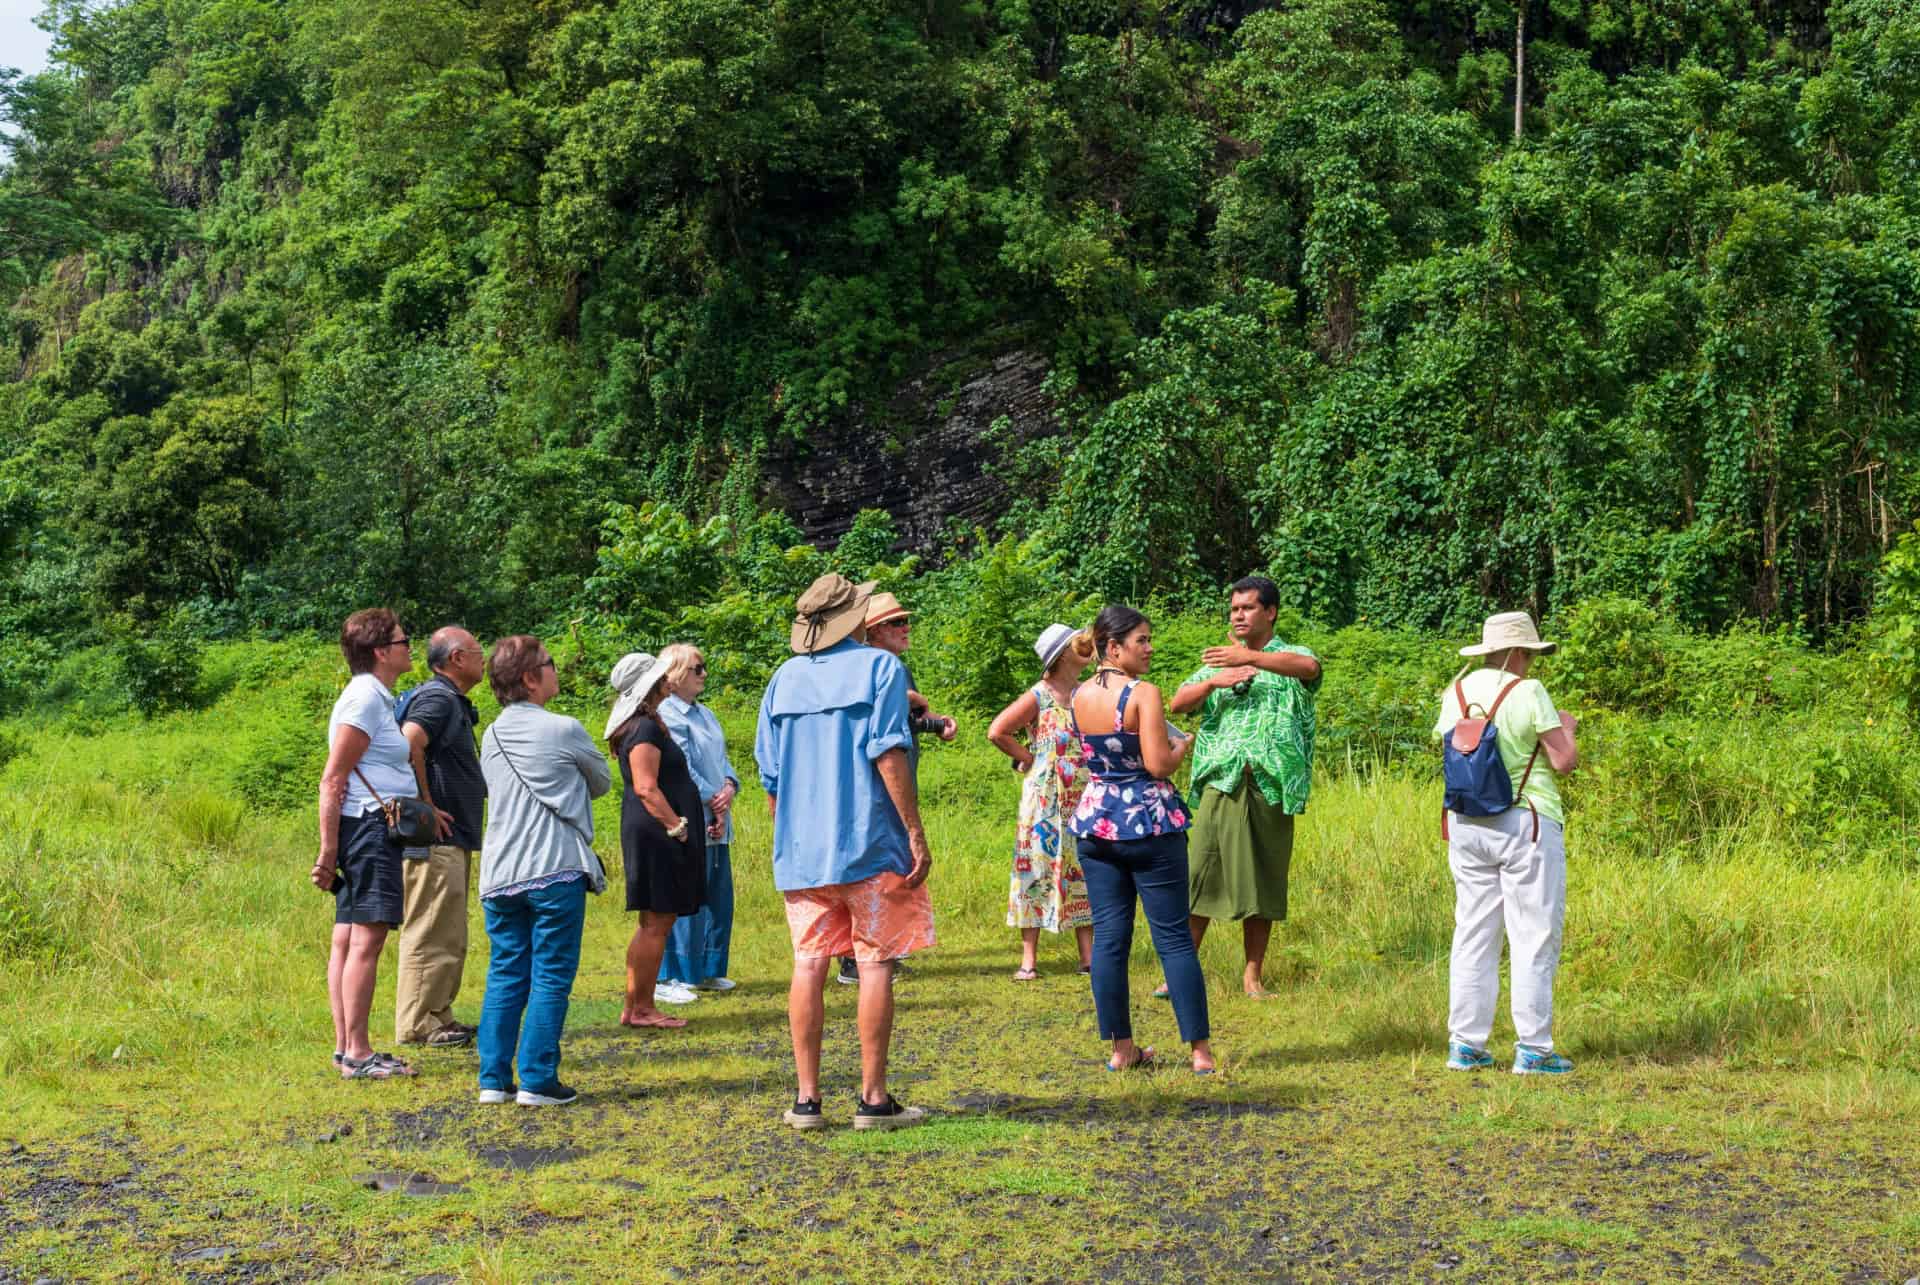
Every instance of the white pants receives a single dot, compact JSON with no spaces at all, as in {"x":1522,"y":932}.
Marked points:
{"x":1504,"y":881}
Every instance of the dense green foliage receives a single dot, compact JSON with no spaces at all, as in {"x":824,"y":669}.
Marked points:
{"x":311,"y":306}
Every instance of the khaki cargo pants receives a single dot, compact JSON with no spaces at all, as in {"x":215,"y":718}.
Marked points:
{"x":433,"y":941}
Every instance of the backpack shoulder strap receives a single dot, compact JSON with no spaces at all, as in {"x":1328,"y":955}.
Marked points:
{"x":1503,"y":696}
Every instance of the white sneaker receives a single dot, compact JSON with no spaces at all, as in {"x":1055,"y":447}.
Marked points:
{"x":717,"y":984}
{"x":494,"y":1097}
{"x":674,"y":993}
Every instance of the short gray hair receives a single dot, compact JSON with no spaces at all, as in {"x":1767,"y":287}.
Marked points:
{"x":440,"y":647}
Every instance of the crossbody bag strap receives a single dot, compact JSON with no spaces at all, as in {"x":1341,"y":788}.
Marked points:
{"x":378,"y":801}
{"x":508,"y":759}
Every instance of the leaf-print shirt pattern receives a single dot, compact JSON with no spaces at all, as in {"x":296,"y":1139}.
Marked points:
{"x":1048,"y":889}
{"x":1270,"y":729}
{"x":1122,"y":800}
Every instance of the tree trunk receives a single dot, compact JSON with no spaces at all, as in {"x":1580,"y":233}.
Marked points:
{"x":1519,"y":70}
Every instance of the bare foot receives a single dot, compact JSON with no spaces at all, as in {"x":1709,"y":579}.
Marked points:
{"x":1257,"y":991}
{"x":652,"y":1017}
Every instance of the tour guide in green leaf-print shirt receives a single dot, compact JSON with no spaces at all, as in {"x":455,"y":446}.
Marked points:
{"x":1252,"y":768}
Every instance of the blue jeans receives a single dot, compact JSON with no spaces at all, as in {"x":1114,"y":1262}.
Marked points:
{"x":1155,"y":870}
{"x":697,"y":944}
{"x":536,"y":952}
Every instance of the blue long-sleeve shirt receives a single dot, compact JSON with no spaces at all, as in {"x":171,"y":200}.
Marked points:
{"x":824,"y":720}
{"x":697,"y":732}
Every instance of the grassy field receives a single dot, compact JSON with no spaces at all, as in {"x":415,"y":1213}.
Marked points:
{"x":1743,"y":1015}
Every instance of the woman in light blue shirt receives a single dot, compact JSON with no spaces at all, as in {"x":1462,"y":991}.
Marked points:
{"x":697,"y":945}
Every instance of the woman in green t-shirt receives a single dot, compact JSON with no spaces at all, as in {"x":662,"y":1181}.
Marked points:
{"x":1510,"y":869}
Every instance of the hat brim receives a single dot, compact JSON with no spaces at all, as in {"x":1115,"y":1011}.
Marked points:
{"x":634,"y":697}
{"x":1047,"y":661}
{"x":805,"y":639}
{"x":898,"y":613}
{"x":1487,"y":649}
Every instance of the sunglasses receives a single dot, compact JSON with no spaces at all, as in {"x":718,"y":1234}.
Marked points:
{"x":701,"y":669}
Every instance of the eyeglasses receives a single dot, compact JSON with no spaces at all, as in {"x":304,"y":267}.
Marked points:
{"x":548,"y":664}
{"x":401,"y":641}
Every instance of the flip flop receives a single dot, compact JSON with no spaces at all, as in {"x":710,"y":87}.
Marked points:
{"x":1027,"y":975}
{"x":1142,"y":1063}
{"x":1160,"y":992}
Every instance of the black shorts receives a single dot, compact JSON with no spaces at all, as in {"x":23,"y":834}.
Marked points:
{"x":370,"y":891}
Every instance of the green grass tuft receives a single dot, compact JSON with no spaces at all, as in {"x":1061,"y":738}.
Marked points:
{"x":1558,"y":1229}
{"x":935,"y":1135}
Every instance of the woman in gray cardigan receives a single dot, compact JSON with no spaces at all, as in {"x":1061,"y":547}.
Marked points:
{"x":537,"y":865}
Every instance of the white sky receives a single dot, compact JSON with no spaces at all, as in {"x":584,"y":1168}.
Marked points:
{"x":22,"y":44}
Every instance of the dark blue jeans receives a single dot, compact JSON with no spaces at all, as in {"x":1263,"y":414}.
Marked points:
{"x":1155,"y":870}
{"x":536,"y":952}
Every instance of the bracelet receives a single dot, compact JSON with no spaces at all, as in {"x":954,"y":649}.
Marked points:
{"x":678,"y":831}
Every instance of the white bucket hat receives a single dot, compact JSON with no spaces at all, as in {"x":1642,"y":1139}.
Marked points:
{"x":1508,"y":631}
{"x":636,"y":675}
{"x":1053,"y":640}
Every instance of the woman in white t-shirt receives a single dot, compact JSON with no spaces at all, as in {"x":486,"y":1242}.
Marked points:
{"x":367,"y":760}
{"x":1510,"y":869}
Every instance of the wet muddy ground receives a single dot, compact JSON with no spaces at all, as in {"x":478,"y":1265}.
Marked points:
{"x":674,"y":1166}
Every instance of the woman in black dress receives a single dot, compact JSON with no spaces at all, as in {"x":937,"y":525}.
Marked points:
{"x":662,"y":835}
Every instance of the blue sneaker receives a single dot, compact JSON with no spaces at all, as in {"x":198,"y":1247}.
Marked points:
{"x":1533,"y":1061}
{"x":1465,"y":1057}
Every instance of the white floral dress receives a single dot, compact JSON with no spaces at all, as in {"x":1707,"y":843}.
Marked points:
{"x":1048,"y":891}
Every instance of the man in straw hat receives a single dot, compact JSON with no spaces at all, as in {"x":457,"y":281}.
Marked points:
{"x":1509,"y":869}
{"x":1252,"y":768}
{"x":890,"y":628}
{"x":849,"y":852}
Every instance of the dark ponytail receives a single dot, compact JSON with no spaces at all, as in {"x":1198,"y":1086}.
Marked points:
{"x":1115,"y":621}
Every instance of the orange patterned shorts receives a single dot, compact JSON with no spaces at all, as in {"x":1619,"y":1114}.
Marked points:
{"x":873,"y":920}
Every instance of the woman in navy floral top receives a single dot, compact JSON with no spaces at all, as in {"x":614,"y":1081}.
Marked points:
{"x":1132,"y":826}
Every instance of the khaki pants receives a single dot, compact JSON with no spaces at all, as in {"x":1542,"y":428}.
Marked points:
{"x":433,"y":942}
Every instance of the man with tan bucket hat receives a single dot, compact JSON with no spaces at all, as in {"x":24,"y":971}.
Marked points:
{"x":890,"y":628}
{"x":849,"y":852}
{"x":1509,"y":868}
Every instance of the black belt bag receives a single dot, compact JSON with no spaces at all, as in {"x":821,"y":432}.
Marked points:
{"x":410,"y":822}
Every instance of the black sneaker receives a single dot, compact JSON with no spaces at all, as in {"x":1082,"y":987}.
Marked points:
{"x":554,"y":1095}
{"x":805,"y":1114}
{"x":887,"y":1115}
{"x":849,"y":974}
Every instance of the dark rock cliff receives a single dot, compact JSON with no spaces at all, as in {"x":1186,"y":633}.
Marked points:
{"x":924,"y":457}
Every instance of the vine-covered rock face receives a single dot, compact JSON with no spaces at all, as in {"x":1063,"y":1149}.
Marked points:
{"x":926,"y":457}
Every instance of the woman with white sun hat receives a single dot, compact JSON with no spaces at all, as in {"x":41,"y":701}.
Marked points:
{"x":663,"y":829}
{"x":1510,"y":867}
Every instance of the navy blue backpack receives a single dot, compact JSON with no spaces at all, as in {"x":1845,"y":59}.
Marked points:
{"x":1477,"y":784}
